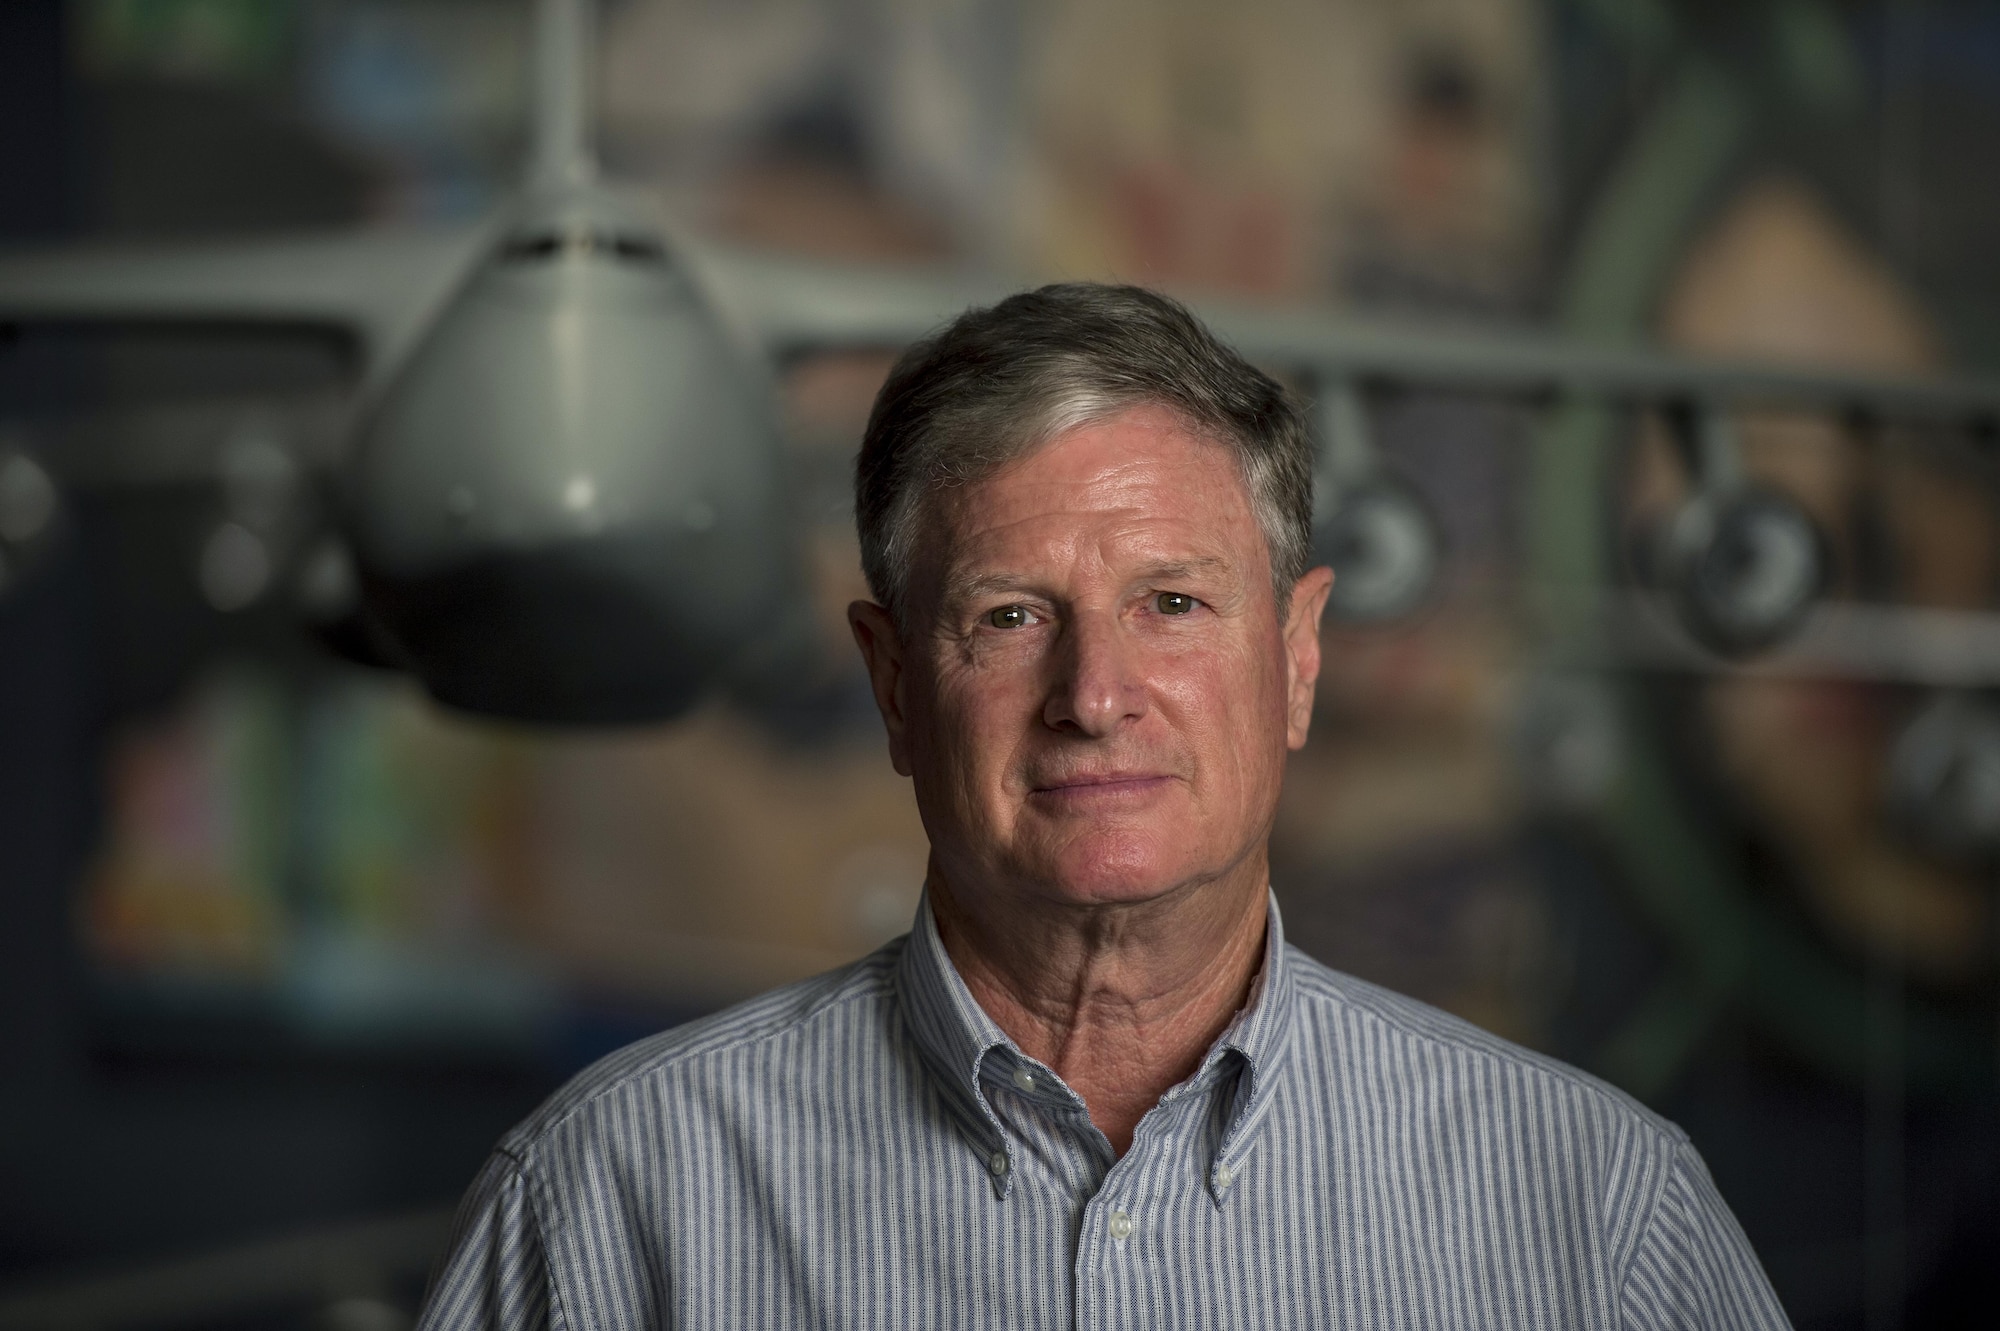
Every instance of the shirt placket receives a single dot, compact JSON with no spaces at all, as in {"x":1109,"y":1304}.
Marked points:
{"x":1119,"y":1245}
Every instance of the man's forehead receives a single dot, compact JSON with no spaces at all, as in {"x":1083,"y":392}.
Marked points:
{"x":1141,"y":487}
{"x":1145,"y":460}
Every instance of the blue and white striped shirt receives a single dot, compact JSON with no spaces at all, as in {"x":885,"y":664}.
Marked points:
{"x":868,"y":1149}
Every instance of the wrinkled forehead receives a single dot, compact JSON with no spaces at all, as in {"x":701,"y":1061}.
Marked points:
{"x":1142,"y":485}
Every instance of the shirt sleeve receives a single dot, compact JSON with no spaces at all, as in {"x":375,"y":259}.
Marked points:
{"x":1693,"y":1267}
{"x":495,"y":1274}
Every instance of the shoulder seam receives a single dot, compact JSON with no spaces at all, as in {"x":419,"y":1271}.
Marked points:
{"x":667,"y":1062}
{"x":1650,"y":1213}
{"x":1657,"y":1137}
{"x":1660,"y":1129}
{"x":537,"y":1207}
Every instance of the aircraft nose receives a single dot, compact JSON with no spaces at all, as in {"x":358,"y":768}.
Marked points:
{"x":570,"y":507}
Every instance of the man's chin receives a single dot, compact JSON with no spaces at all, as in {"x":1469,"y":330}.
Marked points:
{"x":1116,"y":874}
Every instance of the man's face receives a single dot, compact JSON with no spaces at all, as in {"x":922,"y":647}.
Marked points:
{"x":1093,"y":689}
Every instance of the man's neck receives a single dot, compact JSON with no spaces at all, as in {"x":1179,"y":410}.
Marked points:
{"x":1121,"y":1001}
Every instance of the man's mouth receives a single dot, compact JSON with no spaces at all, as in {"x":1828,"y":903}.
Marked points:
{"x":1107,"y":786}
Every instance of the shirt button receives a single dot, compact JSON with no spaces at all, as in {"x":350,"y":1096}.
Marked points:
{"x":1223,"y":1178}
{"x":997,"y":1162}
{"x":1024,"y":1079}
{"x":1121,"y":1225}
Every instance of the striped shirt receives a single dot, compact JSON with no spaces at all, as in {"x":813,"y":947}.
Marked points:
{"x":868,"y":1149}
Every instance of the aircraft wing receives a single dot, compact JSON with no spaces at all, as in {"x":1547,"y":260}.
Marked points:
{"x":795,"y":306}
{"x":384,"y":285}
{"x":1517,"y":361}
{"x":380,"y":286}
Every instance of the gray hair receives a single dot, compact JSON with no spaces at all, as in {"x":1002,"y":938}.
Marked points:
{"x":999,"y":382}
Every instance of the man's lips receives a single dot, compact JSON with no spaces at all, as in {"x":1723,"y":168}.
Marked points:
{"x":1101,"y":785}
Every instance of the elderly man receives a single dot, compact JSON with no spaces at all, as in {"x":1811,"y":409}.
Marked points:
{"x":1092,"y":1086}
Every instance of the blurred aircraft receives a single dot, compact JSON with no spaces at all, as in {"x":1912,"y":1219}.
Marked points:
{"x":560,"y":495}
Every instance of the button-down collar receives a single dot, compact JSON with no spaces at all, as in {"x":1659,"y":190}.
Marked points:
{"x":957,"y":1038}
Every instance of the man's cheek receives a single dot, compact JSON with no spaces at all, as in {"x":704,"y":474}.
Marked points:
{"x":1207,"y":688}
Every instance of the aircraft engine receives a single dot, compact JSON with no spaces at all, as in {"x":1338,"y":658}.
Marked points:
{"x":1368,"y":523}
{"x":1944,"y":778}
{"x":28,"y":510}
{"x":1383,"y":547}
{"x":1743,"y":566}
{"x":568,"y":507}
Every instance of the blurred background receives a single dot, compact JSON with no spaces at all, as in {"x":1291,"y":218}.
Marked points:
{"x":284,"y":948}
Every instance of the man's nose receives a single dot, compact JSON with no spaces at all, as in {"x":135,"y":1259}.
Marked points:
{"x":1098,"y":685}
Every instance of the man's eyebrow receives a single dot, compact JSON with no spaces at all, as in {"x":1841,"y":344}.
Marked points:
{"x":959,"y":587}
{"x":1195,"y":567}
{"x":971,"y":586}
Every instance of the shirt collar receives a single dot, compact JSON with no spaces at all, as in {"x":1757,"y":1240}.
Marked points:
{"x":1262,"y":1034}
{"x":955,"y":1036}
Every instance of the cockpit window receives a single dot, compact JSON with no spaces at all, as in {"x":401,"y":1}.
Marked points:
{"x":622,"y":246}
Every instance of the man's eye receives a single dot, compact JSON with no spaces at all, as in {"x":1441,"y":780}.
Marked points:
{"x":1008,"y":617}
{"x":1173,"y":603}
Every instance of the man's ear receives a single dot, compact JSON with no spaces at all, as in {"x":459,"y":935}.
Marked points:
{"x":1309,"y":595}
{"x":882,"y":651}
